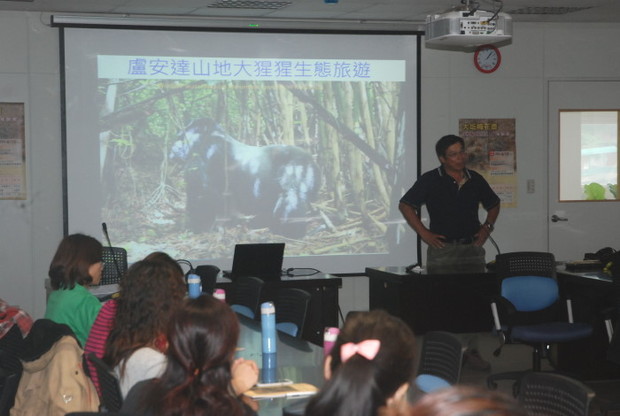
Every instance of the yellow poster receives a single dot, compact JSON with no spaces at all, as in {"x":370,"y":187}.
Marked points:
{"x":492,"y":151}
{"x":12,"y":151}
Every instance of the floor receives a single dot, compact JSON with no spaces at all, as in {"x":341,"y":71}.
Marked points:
{"x":518,"y":357}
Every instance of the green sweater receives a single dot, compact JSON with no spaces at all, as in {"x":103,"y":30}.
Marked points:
{"x":75,"y":307}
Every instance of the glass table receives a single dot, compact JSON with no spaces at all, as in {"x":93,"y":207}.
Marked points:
{"x":297,"y":360}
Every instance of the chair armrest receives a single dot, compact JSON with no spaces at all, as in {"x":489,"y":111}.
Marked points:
{"x":496,"y":321}
{"x":569,"y":310}
{"x":503,"y":308}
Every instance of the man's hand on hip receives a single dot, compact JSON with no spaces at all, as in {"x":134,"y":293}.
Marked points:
{"x":432,"y":239}
{"x":481,"y":237}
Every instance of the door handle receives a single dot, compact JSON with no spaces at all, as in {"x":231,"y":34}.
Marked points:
{"x":555,"y":218}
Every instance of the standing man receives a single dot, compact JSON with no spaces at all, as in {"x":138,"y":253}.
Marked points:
{"x":452,"y":194}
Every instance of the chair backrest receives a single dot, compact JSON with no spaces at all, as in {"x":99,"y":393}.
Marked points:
{"x":12,"y":342}
{"x":111,"y":397}
{"x":208,"y":276}
{"x":10,"y":368}
{"x":245,"y":296}
{"x":440,"y":360}
{"x":530,"y":293}
{"x":10,"y":374}
{"x":291,"y":309}
{"x":525,"y":263}
{"x":114,"y":260}
{"x":552,"y":394}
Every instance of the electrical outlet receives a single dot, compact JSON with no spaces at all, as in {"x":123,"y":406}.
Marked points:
{"x":530,"y":186}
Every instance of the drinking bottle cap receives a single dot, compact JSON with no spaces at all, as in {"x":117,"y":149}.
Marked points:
{"x":267,"y":307}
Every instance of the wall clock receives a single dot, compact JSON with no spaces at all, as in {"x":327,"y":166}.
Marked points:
{"x":487,"y":58}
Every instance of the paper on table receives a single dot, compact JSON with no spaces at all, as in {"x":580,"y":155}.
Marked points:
{"x":286,"y":390}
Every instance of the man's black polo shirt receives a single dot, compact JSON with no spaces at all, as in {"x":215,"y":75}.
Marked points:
{"x":453,"y":212}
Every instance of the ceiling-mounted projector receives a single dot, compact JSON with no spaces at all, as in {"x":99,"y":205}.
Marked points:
{"x":466,"y":29}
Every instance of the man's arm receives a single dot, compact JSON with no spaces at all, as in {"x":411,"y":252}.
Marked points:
{"x":411,"y":216}
{"x":485,"y":230}
{"x":492,"y":215}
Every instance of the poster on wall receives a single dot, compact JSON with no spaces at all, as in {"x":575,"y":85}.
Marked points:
{"x":490,"y":144}
{"x":12,"y":151}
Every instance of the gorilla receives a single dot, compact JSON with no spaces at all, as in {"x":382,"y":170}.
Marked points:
{"x":275,"y":184}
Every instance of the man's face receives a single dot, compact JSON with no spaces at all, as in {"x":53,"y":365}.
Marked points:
{"x":455,"y":158}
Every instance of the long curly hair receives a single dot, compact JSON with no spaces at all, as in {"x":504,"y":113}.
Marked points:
{"x":150,"y":294}
{"x":360,"y":386}
{"x":197,"y":378}
{"x":74,"y":256}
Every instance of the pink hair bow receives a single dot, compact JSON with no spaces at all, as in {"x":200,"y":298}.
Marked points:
{"x":367,"y":349}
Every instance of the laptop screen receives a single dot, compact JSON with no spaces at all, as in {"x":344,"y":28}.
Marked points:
{"x":262,"y":260}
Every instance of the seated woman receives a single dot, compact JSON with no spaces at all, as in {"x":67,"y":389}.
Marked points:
{"x":151,"y":291}
{"x":100,"y":331}
{"x":76,"y":264}
{"x":198,"y":377}
{"x":371,"y":365}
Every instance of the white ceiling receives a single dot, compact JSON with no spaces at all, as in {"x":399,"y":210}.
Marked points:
{"x":396,"y":11}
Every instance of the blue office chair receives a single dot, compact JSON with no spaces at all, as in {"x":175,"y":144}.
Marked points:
{"x":291,"y":309}
{"x":245,"y":296}
{"x":528,"y":310}
{"x":440,"y":361}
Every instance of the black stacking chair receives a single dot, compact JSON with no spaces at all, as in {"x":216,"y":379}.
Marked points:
{"x":10,"y":368}
{"x":551,"y":394}
{"x":13,"y":342}
{"x":528,"y":310}
{"x":612,"y":403}
{"x":245,"y":296}
{"x":291,"y":309}
{"x":441,"y":361}
{"x":208,"y":277}
{"x":111,"y":397}
{"x":114,"y":261}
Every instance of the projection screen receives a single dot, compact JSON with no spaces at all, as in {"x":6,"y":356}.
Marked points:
{"x":190,"y":142}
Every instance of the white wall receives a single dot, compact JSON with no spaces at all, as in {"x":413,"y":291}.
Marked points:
{"x":451,"y":89}
{"x":31,"y":229}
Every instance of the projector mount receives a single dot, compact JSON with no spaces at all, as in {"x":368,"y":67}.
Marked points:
{"x":472,"y":6}
{"x":467,"y":26}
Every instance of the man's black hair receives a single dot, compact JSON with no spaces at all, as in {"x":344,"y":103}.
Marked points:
{"x":445,"y":142}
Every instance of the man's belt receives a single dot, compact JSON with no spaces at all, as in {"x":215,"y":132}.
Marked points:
{"x":464,"y":240}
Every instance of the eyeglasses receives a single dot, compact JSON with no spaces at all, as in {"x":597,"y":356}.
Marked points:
{"x":455,"y":154}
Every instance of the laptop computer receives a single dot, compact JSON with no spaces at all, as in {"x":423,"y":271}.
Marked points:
{"x":262,"y":260}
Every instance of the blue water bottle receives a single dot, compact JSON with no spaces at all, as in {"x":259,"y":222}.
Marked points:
{"x":194,"y":285}
{"x":268,"y":328}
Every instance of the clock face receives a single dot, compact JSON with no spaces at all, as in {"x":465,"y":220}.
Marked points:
{"x":487,"y":59}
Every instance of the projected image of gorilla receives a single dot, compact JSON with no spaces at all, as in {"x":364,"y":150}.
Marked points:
{"x":273,"y":185}
{"x":204,"y":165}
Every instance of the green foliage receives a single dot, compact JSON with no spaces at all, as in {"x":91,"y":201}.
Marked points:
{"x":594,"y":191}
{"x":613,"y":188}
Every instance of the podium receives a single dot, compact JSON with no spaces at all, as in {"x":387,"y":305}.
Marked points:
{"x":454,"y":302}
